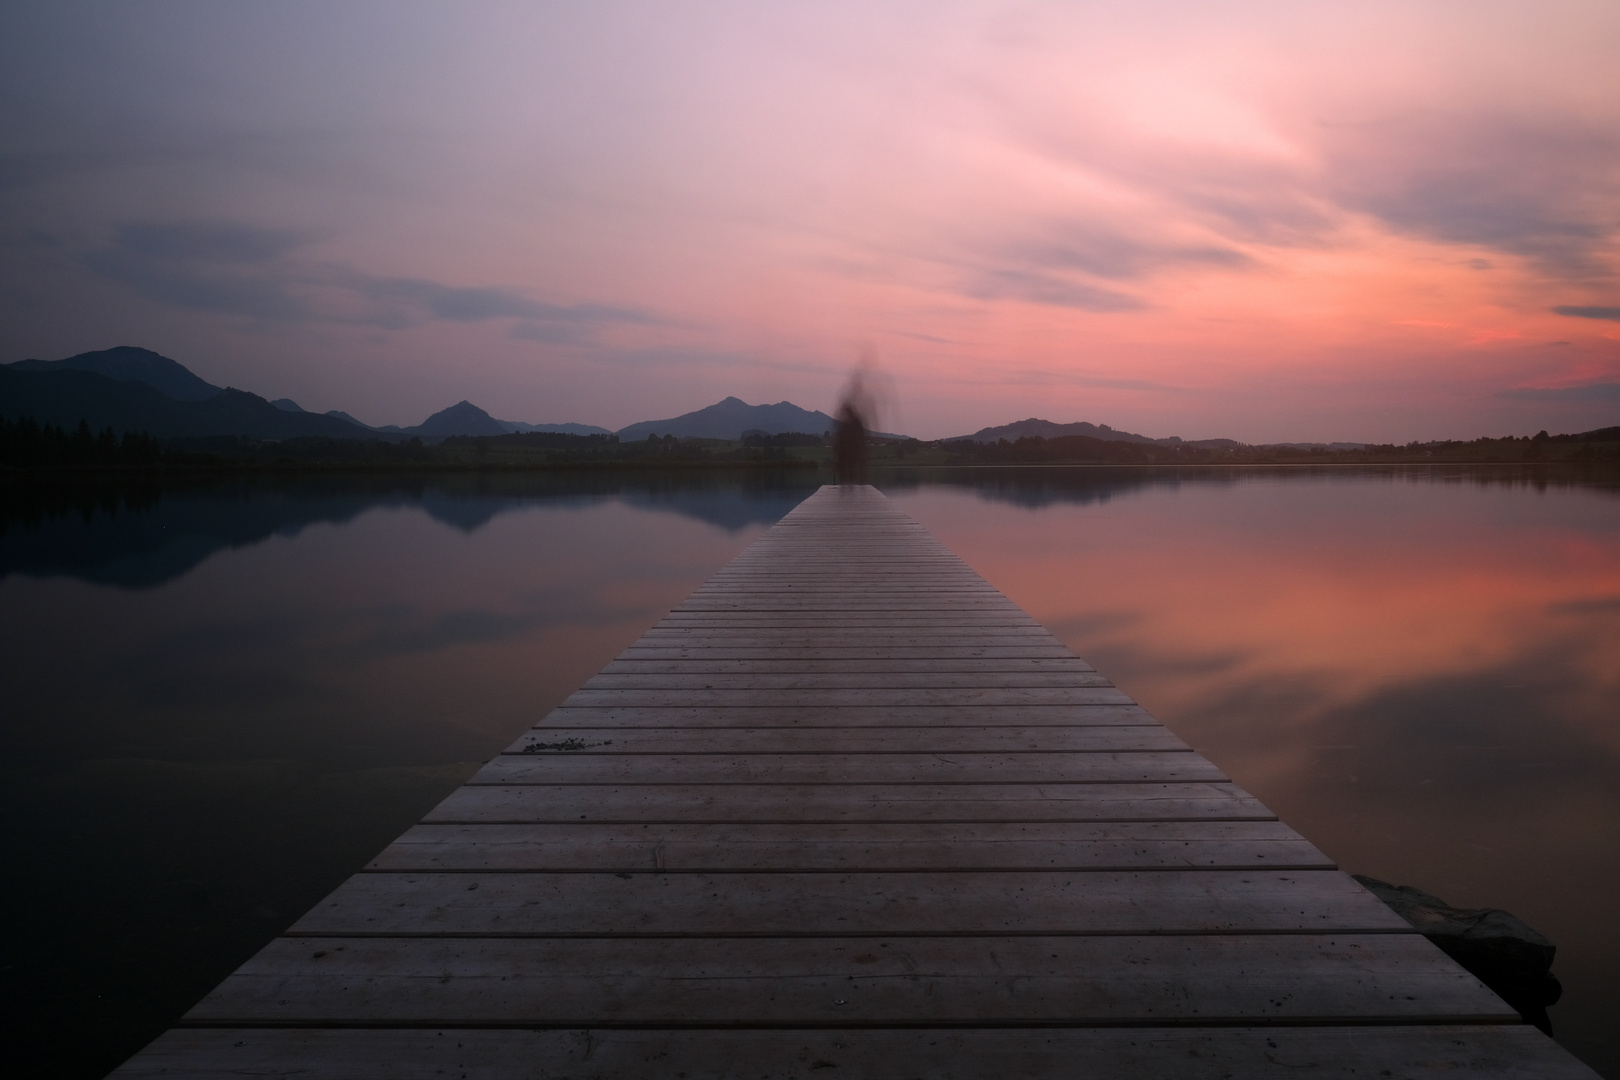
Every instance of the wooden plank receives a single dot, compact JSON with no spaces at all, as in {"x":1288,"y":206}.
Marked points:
{"x":815,"y":586}
{"x":854,"y":604}
{"x":869,"y":698}
{"x":786,"y":903}
{"x":1033,"y":652}
{"x":873,"y":619}
{"x":1413,"y":1052}
{"x":551,"y":740}
{"x":846,"y":716}
{"x":964,"y":591}
{"x":927,"y":632}
{"x":1100,"y":767}
{"x":844,"y":680}
{"x":1147,"y":766}
{"x":677,"y":847}
{"x":679,"y":661}
{"x":641,"y":803}
{"x":793,"y":574}
{"x":809,"y":982}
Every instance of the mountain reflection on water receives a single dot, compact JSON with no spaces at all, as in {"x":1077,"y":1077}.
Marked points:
{"x":140,"y":536}
{"x":222,"y":698}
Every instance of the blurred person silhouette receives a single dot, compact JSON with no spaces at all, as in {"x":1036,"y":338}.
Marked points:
{"x":857,"y":415}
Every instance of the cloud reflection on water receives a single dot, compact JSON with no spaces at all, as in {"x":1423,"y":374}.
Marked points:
{"x":1419,"y":670}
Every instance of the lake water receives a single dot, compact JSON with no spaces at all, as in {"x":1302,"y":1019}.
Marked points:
{"x":221,"y":700}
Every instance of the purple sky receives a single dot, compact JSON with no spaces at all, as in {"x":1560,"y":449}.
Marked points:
{"x":1257,"y":220}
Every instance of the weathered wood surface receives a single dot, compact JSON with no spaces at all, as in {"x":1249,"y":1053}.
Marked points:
{"x":778,"y":802}
{"x":848,"y":808}
{"x":791,"y":904}
{"x":836,"y":981}
{"x":843,"y":717}
{"x":557,"y":741}
{"x":853,"y":661}
{"x":868,"y":845}
{"x":602,"y":767}
{"x":853,"y":680}
{"x":1429,"y":1052}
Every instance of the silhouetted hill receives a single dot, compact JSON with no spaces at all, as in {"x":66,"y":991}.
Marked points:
{"x":465,"y":418}
{"x":462,"y":418}
{"x":64,"y":396}
{"x":728,"y":419}
{"x":1047,"y":429}
{"x":127,"y":363}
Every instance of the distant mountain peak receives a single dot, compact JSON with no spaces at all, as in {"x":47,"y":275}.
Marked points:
{"x":462,"y":418}
{"x":341,"y":415}
{"x":1035,"y":428}
{"x":131,"y":363}
{"x":729,"y":417}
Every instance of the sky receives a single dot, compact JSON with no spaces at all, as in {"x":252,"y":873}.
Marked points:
{"x":1208,"y":218}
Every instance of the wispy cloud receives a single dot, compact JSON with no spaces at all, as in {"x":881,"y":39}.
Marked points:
{"x":240,"y":269}
{"x":1579,"y":312}
{"x":1540,"y":188}
{"x":1092,"y":248}
{"x":1051,"y":289}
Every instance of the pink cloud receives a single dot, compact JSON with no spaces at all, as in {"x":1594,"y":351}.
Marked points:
{"x":1261,"y":220}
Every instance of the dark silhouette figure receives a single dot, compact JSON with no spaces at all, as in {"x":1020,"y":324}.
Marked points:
{"x":849,"y":444}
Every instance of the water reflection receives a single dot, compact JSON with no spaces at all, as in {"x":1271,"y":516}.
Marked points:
{"x":1420,"y":670}
{"x":222,"y":699}
{"x":140,"y":536}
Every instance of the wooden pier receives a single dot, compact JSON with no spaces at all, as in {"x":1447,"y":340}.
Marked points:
{"x":850,"y":812}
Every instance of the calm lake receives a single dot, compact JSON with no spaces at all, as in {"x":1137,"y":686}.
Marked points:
{"x":221,"y":700}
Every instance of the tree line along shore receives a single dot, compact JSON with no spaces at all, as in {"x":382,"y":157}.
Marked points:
{"x":27,"y":447}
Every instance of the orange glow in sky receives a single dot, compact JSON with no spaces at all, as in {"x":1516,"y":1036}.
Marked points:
{"x":1256,"y":220}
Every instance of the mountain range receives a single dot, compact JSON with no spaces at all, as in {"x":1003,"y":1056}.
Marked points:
{"x":134,"y":389}
{"x":1046,"y":429}
{"x":731,"y":418}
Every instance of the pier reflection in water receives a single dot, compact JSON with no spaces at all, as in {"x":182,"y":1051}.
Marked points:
{"x":221,"y":700}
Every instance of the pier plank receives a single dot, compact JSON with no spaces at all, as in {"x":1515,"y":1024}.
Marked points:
{"x":875,"y":697}
{"x":1097,"y":767}
{"x":896,"y":847}
{"x":789,"y":904}
{"x":554,"y":739}
{"x":635,"y":661}
{"x":849,"y":802}
{"x":834,"y":981}
{"x":1413,"y":1052}
{"x":840,"y":680}
{"x":851,"y":715}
